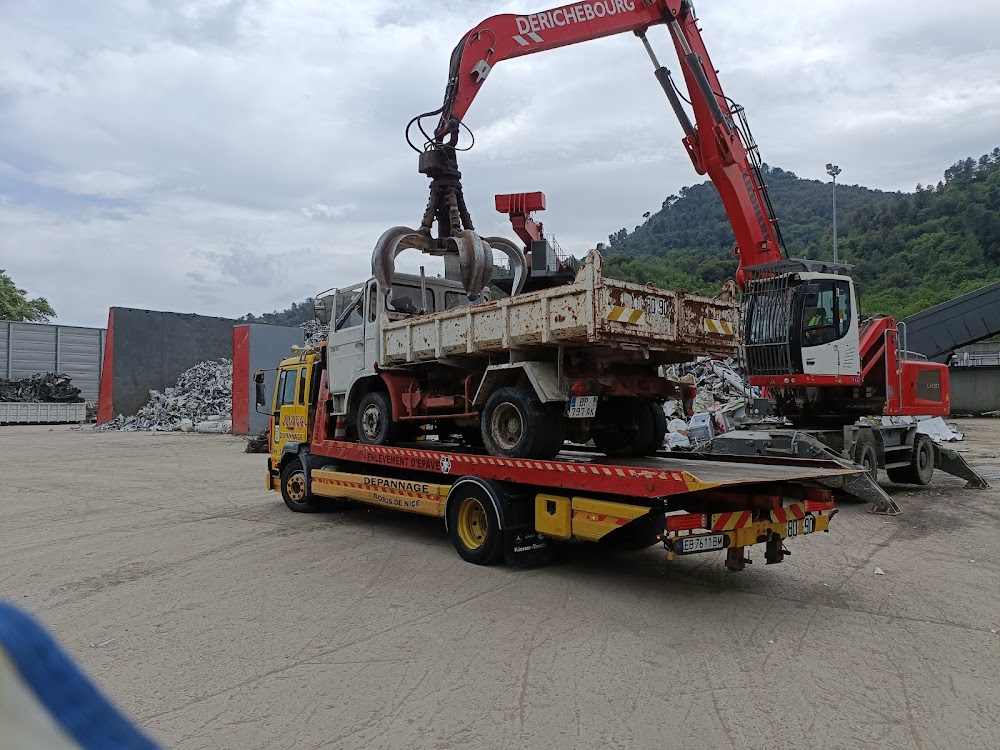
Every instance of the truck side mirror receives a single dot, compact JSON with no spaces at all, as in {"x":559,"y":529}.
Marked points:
{"x":258,"y":379}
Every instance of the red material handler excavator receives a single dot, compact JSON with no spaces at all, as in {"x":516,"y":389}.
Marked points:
{"x":820,"y":364}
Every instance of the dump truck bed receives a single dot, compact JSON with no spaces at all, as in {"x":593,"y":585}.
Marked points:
{"x":592,"y":311}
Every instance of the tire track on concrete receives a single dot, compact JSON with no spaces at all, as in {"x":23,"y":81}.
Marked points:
{"x":120,"y":576}
{"x":524,"y":575}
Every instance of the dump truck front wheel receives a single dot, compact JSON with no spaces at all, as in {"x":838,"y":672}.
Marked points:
{"x":374,"y":423}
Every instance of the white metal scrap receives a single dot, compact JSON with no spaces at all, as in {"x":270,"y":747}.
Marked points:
{"x":201,"y":400}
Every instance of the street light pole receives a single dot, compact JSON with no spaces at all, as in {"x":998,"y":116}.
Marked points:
{"x":833,"y":170}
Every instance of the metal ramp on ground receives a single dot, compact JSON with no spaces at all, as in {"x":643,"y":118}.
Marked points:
{"x":937,"y":331}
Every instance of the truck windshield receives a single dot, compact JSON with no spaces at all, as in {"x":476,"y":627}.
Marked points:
{"x":350,"y":309}
{"x":406,"y":299}
{"x":826,"y":313}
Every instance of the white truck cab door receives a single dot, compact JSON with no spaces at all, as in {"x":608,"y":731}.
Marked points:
{"x":346,"y":347}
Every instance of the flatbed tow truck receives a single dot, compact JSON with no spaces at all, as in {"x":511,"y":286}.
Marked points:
{"x":503,"y":509}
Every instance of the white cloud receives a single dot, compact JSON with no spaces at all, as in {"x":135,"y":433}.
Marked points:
{"x":323,"y":211}
{"x":230,"y":156}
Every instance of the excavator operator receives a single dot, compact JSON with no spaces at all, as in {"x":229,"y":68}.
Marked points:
{"x":816,"y":321}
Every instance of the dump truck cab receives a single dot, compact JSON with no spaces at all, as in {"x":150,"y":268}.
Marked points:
{"x":355,"y":316}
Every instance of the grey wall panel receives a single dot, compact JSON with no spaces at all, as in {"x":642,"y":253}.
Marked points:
{"x":268,"y":346}
{"x":974,"y":389}
{"x":151,"y":349}
{"x":27,"y":349}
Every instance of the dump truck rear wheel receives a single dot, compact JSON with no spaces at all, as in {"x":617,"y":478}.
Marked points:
{"x":295,"y":491}
{"x":636,"y":427}
{"x":921,"y":468}
{"x":515,"y":424}
{"x":374,"y":420}
{"x":866,"y":454}
{"x":474,"y":525}
{"x":656,"y":431}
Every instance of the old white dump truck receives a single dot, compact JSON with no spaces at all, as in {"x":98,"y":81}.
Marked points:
{"x":518,"y":375}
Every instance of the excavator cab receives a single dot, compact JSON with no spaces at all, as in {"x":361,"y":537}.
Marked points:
{"x":800,"y":325}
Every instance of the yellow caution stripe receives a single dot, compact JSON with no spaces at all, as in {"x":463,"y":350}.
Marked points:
{"x":720,"y":327}
{"x":730,"y":521}
{"x":625,"y":315}
{"x":791,"y":513}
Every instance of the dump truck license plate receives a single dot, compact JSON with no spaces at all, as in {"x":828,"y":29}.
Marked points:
{"x":703,"y":543}
{"x":582,"y":407}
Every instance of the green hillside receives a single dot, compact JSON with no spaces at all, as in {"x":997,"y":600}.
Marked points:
{"x":911,"y":250}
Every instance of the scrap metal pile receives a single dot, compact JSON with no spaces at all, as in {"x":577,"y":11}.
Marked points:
{"x":49,"y":388}
{"x":723,"y":398}
{"x":201,"y":401}
{"x":314,"y":333}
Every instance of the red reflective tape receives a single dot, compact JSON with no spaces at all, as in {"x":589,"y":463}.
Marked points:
{"x":814,"y":506}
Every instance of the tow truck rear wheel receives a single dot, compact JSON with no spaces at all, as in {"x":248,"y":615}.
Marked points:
{"x":921,"y":468}
{"x":515,"y":424}
{"x":866,"y":454}
{"x":295,"y":491}
{"x":473,"y":524}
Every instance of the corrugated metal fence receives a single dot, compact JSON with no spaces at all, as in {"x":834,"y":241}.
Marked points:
{"x":30,"y":348}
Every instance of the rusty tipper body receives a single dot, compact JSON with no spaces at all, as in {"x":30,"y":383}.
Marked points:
{"x":519,"y":375}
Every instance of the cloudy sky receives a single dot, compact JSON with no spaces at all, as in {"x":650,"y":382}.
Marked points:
{"x":231,"y":156}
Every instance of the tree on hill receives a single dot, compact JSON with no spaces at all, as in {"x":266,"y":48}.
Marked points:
{"x":910,"y":250}
{"x":296,"y":314}
{"x":15,"y":305}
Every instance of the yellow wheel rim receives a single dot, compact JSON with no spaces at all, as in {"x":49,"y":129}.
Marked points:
{"x":296,"y":487}
{"x":472,"y":523}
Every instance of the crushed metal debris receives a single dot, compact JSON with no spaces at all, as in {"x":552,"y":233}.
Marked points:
{"x":46,"y":388}
{"x":201,"y":401}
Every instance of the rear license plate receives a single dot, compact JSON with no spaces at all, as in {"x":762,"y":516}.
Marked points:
{"x":792,"y":527}
{"x":582,"y":407}
{"x":703,"y":543}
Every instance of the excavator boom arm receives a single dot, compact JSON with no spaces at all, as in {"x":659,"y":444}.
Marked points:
{"x":507,"y":36}
{"x":718,"y":142}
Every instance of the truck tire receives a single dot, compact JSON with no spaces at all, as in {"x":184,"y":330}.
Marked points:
{"x":294,"y":490}
{"x":921,"y":468}
{"x":653,"y":432}
{"x":866,"y":454}
{"x":374,"y":420}
{"x":637,"y":427}
{"x":515,"y":424}
{"x":474,"y":525}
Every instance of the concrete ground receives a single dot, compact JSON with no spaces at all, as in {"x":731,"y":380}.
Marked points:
{"x":218,"y":619}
